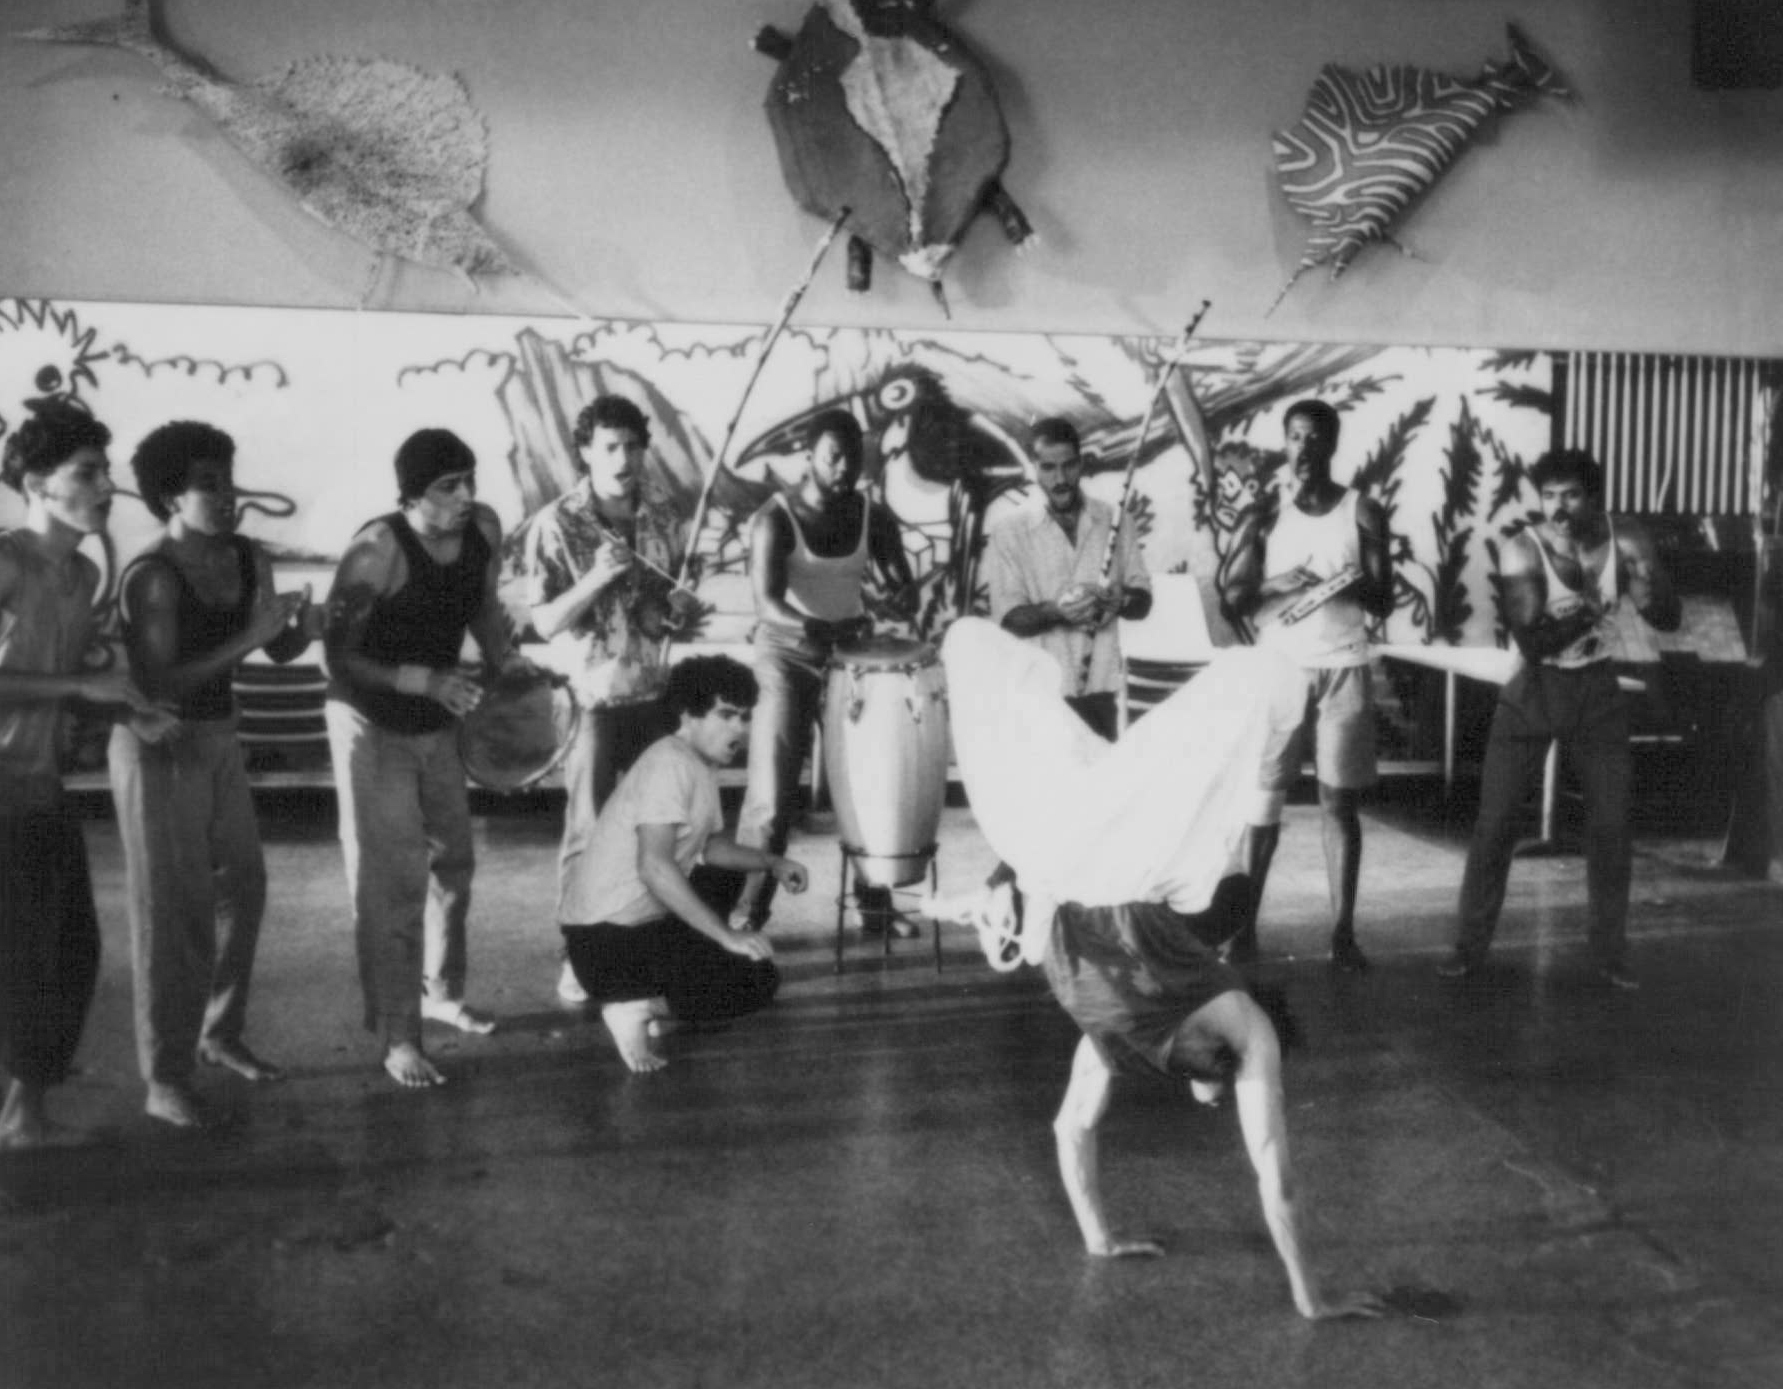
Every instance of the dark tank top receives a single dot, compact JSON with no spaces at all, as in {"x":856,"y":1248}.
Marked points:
{"x":422,"y":623}
{"x":201,"y":629}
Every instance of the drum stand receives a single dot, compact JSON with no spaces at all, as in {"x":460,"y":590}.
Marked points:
{"x":851,"y":866}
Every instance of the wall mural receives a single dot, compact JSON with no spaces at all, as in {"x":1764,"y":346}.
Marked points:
{"x":318,"y":401}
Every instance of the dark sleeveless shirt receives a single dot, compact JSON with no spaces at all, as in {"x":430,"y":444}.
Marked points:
{"x":423,"y":623}
{"x":200,"y":629}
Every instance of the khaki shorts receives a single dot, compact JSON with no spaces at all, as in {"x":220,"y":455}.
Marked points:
{"x":1340,"y":724}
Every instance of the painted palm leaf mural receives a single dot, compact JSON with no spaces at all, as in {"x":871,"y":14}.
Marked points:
{"x":1369,"y":145}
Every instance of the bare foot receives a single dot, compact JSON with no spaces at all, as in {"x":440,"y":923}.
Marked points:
{"x":24,"y":1125}
{"x":234,"y":1056}
{"x":175,"y":1105}
{"x":409,"y":1067}
{"x":455,"y":1012}
{"x":629,"y":1022}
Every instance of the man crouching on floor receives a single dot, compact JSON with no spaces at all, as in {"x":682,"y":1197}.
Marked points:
{"x":656,"y":952}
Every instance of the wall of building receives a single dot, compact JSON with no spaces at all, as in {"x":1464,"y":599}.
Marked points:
{"x":631,"y":165}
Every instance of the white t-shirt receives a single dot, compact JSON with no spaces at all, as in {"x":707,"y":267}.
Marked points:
{"x":669,"y":785}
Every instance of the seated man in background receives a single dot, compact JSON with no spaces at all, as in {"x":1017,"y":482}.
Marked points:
{"x":656,"y":949}
{"x":1130,"y":860}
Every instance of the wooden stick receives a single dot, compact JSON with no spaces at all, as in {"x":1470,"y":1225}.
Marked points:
{"x":1120,"y":510}
{"x":786,"y":311}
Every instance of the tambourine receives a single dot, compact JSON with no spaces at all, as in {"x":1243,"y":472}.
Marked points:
{"x":520,"y":732}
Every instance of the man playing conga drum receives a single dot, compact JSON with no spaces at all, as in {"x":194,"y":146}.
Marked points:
{"x":1044,"y":565}
{"x":409,"y":587}
{"x":597,"y":566}
{"x":811,"y":555}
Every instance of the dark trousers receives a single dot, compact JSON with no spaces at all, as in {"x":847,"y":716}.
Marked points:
{"x":49,"y":943}
{"x":667,"y":958}
{"x":1587,"y":713}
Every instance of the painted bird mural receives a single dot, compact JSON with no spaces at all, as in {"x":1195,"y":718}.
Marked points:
{"x":389,"y":154}
{"x":1370,"y":144}
{"x":877,"y":108}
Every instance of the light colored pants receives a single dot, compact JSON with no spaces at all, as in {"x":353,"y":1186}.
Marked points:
{"x":195,"y":888}
{"x":790,"y":675}
{"x":405,"y":833}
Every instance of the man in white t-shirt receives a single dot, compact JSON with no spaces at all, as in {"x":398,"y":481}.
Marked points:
{"x":655,"y":950}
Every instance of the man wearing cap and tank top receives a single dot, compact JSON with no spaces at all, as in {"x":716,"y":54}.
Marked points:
{"x":410,"y":586}
{"x":812,"y":553}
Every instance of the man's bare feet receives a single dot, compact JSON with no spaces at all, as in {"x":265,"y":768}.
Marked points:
{"x":409,"y":1067}
{"x":235,"y":1056}
{"x":455,"y":1012}
{"x":175,"y":1105}
{"x":24,"y":1125}
{"x":629,"y":1022}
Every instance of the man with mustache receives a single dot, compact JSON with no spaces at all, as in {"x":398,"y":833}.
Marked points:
{"x":196,"y":603}
{"x":49,"y":933}
{"x":655,"y":950}
{"x":410,"y":586}
{"x":1562,"y":579}
{"x":1320,"y":533}
{"x":812,"y":553}
{"x":1044,"y":570}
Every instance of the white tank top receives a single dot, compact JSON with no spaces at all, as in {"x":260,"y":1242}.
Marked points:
{"x":1599,"y":644}
{"x":1334,"y":636}
{"x":827,"y":589}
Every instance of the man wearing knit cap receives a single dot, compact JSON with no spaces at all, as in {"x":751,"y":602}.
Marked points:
{"x":409,"y":587}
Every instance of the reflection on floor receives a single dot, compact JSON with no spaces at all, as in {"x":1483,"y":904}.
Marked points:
{"x":857,"y":1188}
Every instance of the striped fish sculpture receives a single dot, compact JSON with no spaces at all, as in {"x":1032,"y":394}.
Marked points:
{"x":1368,"y":145}
{"x":877,"y":108}
{"x":389,"y":154}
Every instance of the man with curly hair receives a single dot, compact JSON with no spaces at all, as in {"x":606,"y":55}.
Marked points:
{"x":598,"y":561}
{"x":196,"y":603}
{"x":49,"y":934}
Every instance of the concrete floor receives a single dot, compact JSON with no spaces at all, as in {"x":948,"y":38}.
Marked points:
{"x":857,"y":1188}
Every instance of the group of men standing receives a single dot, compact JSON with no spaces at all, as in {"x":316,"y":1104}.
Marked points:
{"x":662,"y":915}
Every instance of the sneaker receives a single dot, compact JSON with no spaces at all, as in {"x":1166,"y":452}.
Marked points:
{"x":1347,"y":956}
{"x":1618,"y":977}
{"x":1458,"y":966}
{"x":569,"y":988}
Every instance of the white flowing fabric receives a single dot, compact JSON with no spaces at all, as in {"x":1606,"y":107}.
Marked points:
{"x":1157,"y":817}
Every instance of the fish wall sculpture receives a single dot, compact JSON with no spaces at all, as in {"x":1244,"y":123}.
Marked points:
{"x":1370,"y":144}
{"x":879,"y":109}
{"x":389,"y":154}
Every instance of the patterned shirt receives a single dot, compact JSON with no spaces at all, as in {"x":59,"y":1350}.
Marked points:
{"x":1030,"y":559}
{"x":45,"y":626}
{"x":562,"y":542}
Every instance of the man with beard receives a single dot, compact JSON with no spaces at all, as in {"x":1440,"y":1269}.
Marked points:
{"x":812,"y":553}
{"x":655,"y":950}
{"x":49,"y":934}
{"x":409,"y":587}
{"x":1562,"y":579}
{"x":1312,"y":570}
{"x":196,"y":603}
{"x":1044,"y":570}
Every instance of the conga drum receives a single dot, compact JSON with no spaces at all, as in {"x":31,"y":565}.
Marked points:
{"x":520,"y":731}
{"x":885,"y":755}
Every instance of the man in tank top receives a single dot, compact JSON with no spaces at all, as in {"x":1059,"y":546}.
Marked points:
{"x":1561,"y":581}
{"x":1043,"y":567}
{"x":812,"y":553}
{"x":1286,"y":558}
{"x":196,"y":603}
{"x":49,"y":933}
{"x":408,"y":589}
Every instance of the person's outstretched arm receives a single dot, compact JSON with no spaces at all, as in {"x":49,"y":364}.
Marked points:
{"x":1086,"y":1101}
